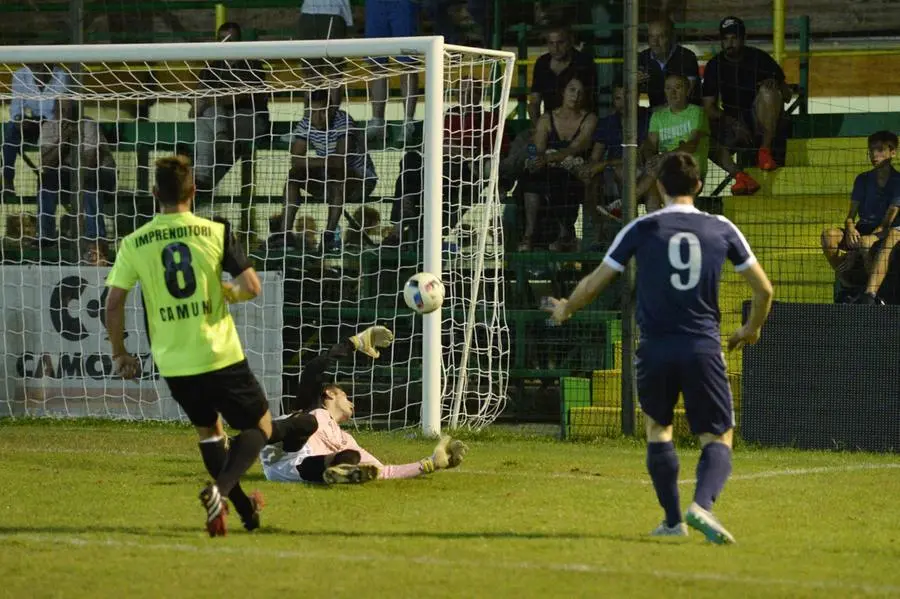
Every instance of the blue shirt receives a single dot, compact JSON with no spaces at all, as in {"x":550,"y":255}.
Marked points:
{"x":874,"y":201}
{"x":680,"y":252}
{"x":609,"y":132}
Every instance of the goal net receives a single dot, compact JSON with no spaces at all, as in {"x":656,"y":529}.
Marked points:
{"x":337,"y":195}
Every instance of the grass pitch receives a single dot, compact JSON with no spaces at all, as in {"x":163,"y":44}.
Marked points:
{"x":110,"y":510}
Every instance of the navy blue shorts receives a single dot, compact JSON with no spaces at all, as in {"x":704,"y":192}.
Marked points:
{"x":392,"y":18}
{"x":664,"y":370}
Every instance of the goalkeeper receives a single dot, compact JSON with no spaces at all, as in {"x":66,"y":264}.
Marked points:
{"x":331,"y":455}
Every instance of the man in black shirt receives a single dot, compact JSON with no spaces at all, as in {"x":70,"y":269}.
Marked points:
{"x":228,"y":119}
{"x":663,"y":58}
{"x":553,"y":70}
{"x":753,"y":92}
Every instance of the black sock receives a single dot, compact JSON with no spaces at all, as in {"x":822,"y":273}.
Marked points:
{"x":243,"y":452}
{"x":662,"y":464}
{"x":214,"y":456}
{"x":713,"y":470}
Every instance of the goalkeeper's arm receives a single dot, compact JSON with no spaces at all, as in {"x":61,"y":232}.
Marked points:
{"x":312,"y":379}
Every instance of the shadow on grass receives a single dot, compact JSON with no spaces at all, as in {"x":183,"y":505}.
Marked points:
{"x":156,"y":531}
{"x":182,"y":532}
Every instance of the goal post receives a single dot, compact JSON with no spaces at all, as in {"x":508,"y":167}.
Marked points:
{"x":446,"y":368}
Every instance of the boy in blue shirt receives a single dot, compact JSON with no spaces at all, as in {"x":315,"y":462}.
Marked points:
{"x":874,"y":217}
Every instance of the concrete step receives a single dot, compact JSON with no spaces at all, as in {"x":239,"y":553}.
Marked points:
{"x":787,"y":208}
{"x":829,"y":152}
{"x":806,"y":180}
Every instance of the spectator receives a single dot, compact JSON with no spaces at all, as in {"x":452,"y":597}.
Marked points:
{"x":553,"y":70}
{"x":393,"y":18}
{"x":228,"y":122}
{"x":665,"y":57}
{"x":73,"y":152}
{"x":753,"y":91}
{"x":36,"y":90}
{"x":325,"y":19}
{"x":876,"y":201}
{"x":562,"y":141}
{"x":459,"y":22}
{"x":341,"y":171}
{"x":604,"y":174}
{"x":469,"y":135}
{"x":679,"y":127}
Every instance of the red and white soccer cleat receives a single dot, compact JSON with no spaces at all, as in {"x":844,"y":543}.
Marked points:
{"x":216,"y":510}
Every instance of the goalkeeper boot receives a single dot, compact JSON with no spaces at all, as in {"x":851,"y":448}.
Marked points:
{"x":709,"y":525}
{"x":663,"y":530}
{"x":216,"y":510}
{"x":350,"y":474}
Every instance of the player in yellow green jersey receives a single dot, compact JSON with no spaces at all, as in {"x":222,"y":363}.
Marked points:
{"x":178,"y":259}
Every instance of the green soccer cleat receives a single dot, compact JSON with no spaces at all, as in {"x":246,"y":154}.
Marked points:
{"x":350,"y":474}
{"x":679,"y":530}
{"x":709,"y":525}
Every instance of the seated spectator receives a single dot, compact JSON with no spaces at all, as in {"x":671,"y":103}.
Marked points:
{"x":753,"y":92}
{"x":665,"y":57}
{"x":35,"y":93}
{"x":876,"y":202}
{"x":553,"y":70}
{"x":227,"y":124}
{"x":468,"y":144}
{"x":679,"y":127}
{"x":75,"y":156}
{"x":341,"y":170}
{"x":562,"y":142}
{"x":603,"y":175}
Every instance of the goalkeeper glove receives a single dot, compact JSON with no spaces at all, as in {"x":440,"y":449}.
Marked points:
{"x":373,"y":338}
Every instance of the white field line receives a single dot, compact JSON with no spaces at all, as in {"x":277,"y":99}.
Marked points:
{"x":600,"y":477}
{"x":217,"y":549}
{"x":597,"y":477}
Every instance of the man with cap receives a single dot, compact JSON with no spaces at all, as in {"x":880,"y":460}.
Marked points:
{"x":753,"y":91}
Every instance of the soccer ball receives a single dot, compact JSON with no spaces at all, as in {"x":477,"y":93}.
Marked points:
{"x":423,"y":293}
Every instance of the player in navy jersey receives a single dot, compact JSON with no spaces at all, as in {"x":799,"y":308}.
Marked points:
{"x":680,"y":252}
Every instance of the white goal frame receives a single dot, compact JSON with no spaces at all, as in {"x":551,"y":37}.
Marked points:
{"x":433,"y":49}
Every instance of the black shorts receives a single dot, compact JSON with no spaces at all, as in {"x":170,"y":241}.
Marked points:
{"x":734,"y":133}
{"x":664,"y":371}
{"x":232,"y":391}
